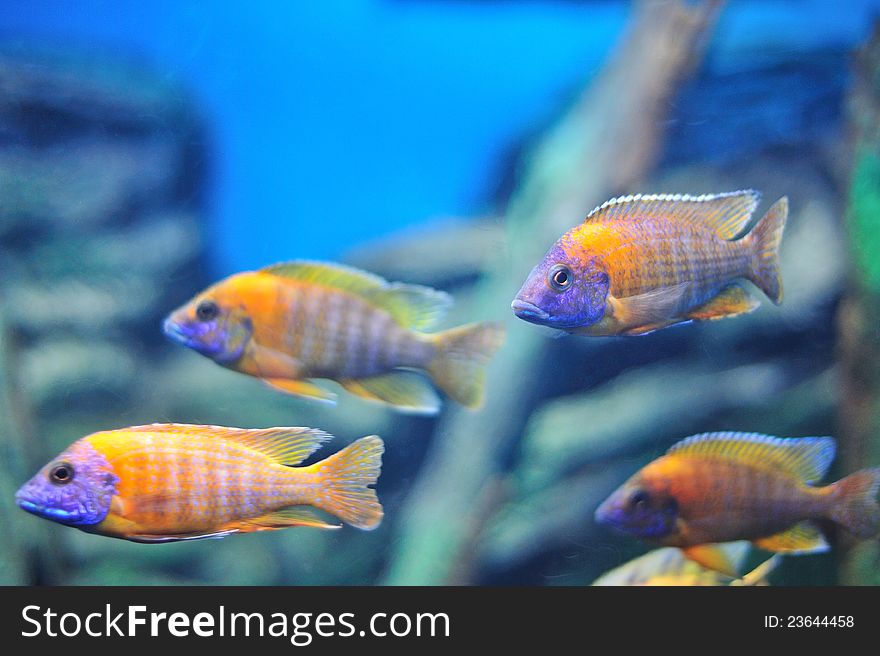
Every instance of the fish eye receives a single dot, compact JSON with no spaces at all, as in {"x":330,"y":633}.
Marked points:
{"x":639,"y":500}
{"x":560,"y":277}
{"x":61,"y":474}
{"x":207,"y":311}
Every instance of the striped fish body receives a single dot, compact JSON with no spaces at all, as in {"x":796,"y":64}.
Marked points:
{"x":166,"y":482}
{"x":641,"y":263}
{"x":641,"y":256}
{"x":178,"y":483}
{"x":323,"y":332}
{"x":721,"y":500}
{"x":293,"y":323}
{"x":722,"y":487}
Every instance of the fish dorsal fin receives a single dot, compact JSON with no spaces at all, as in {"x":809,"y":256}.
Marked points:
{"x":808,"y":458}
{"x":285,"y":444}
{"x":726,"y":213}
{"x":666,"y":561}
{"x":324,"y":273}
{"x":411,"y":306}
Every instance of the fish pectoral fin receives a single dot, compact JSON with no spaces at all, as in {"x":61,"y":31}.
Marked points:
{"x":157,"y":539}
{"x":284,"y":518}
{"x":712,"y":556}
{"x":301,"y":388}
{"x":649,"y":311}
{"x":729,"y":302}
{"x":804,"y":537}
{"x":405,"y":390}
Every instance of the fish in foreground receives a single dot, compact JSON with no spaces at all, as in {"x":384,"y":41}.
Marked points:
{"x":169,"y":482}
{"x":669,"y":566}
{"x":721,"y":487}
{"x":645,"y":262}
{"x":291,"y":323}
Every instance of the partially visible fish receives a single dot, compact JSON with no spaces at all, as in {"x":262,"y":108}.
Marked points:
{"x":641,"y":263}
{"x":721,"y":487}
{"x":291,"y":323}
{"x":169,"y":482}
{"x":669,"y":566}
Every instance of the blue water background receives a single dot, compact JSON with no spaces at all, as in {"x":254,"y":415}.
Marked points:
{"x":340,"y":121}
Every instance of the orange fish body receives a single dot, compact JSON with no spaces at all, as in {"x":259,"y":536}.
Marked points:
{"x":641,"y":263}
{"x":168,"y":482}
{"x":292,"y":323}
{"x":311,"y":330}
{"x":724,"y":500}
{"x":721,"y":487}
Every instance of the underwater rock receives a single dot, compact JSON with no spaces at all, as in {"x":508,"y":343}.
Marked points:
{"x":102,"y":166}
{"x":568,"y":433}
{"x":61,"y":370}
{"x":437,"y":254}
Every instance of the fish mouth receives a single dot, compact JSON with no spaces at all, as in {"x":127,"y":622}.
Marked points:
{"x":175,"y":332}
{"x":609,"y":515}
{"x":55,"y":514}
{"x":528,"y":311}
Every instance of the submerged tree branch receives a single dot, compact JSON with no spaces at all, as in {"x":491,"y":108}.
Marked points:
{"x":606,"y":143}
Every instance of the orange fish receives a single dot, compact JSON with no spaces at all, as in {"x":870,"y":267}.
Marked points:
{"x":669,"y":566}
{"x":169,"y":482}
{"x":291,"y":323}
{"x":721,"y":487}
{"x":641,"y":263}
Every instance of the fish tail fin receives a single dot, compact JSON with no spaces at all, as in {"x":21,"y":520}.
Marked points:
{"x":856,"y":507}
{"x":764,"y":239}
{"x":459,"y":367}
{"x":345,"y":480}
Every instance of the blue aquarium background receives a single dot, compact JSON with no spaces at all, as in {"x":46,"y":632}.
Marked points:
{"x":149,"y":149}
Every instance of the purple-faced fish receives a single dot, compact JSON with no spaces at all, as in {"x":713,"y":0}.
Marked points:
{"x":641,"y":263}
{"x":292,"y":323}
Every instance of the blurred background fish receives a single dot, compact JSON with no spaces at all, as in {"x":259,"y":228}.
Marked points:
{"x":719,"y":487}
{"x":669,"y":566}
{"x":292,"y":322}
{"x":169,"y":482}
{"x":148,"y":150}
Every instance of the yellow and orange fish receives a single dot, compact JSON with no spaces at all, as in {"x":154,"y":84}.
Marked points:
{"x":169,"y":482}
{"x":721,"y":487}
{"x":641,"y":263}
{"x":291,"y":323}
{"x":669,"y":566}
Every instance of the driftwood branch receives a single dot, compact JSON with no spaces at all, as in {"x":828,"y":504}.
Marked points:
{"x":605,"y":145}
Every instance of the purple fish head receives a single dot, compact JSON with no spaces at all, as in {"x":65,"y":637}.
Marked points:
{"x":211,"y":324}
{"x":74,"y":489}
{"x":563,"y":291}
{"x":636,"y":509}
